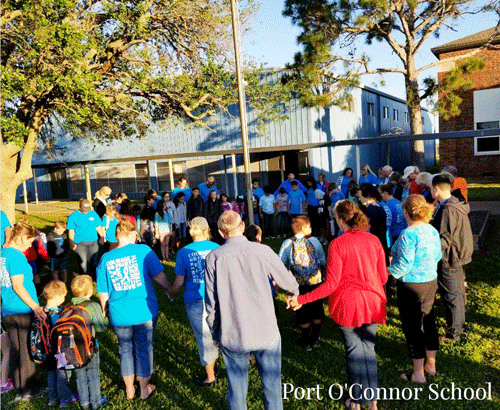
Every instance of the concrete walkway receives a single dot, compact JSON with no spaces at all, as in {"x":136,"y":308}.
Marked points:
{"x":492,"y":206}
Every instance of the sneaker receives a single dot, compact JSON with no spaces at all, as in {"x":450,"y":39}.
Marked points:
{"x":72,"y":400}
{"x":7,"y":386}
{"x":53,"y":403}
{"x":103,"y":403}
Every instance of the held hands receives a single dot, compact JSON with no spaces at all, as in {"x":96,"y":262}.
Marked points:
{"x":291,"y":302}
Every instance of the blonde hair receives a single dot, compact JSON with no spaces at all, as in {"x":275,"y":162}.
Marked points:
{"x":81,"y":285}
{"x":367,"y":167}
{"x":109,"y":211}
{"x":349,"y":213}
{"x":60,"y":224}
{"x":229,"y":221}
{"x":417,"y":208}
{"x":23,"y":228}
{"x":104,"y":190}
{"x":54,"y":288}
{"x":197,"y":231}
{"x":299,"y":222}
{"x":124,"y":227}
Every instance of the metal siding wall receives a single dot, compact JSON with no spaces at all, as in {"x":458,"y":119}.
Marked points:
{"x":43,"y":185}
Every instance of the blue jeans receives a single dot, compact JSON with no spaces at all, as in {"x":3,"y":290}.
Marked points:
{"x":87,"y":252}
{"x":181,"y":230}
{"x":361,"y":360}
{"x":283,"y":223}
{"x":88,"y":383}
{"x":57,"y":381}
{"x":197,"y":316}
{"x":135,"y":344}
{"x":269,"y":366}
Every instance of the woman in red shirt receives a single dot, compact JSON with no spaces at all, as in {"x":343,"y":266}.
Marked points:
{"x":355,"y":276}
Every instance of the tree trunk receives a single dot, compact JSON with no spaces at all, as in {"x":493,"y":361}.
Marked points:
{"x":16,"y":168}
{"x":414,"y":111}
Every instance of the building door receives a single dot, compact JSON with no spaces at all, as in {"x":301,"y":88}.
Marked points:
{"x":59,"y":183}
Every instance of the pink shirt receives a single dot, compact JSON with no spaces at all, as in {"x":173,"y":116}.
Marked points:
{"x":355,"y":276}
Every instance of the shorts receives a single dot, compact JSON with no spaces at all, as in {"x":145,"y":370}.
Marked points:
{"x":310,"y":311}
{"x":57,"y":264}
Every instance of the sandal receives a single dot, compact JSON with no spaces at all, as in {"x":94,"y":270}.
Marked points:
{"x":152,"y":391}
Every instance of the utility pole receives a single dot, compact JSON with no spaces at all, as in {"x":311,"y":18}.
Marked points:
{"x":243,"y":110}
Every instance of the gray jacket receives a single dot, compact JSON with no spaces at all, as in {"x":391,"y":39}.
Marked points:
{"x":238,"y":294}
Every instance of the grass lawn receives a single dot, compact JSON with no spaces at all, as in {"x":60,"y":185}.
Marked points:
{"x":471,"y":364}
{"x":484,"y":192}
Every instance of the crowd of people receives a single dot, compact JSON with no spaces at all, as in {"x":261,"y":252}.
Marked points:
{"x":389,"y":231}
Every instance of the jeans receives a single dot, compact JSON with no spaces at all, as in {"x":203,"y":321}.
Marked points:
{"x":57,"y":381}
{"x":361,"y":361}
{"x":181,"y":230}
{"x":135,"y":344}
{"x":283,"y":223}
{"x":452,"y":289}
{"x":88,"y":383}
{"x":268,"y":224}
{"x":269,"y":366}
{"x":87,"y":252}
{"x":256,"y":219}
{"x":197,"y":316}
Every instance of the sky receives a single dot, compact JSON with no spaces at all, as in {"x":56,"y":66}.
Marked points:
{"x":272,"y":41}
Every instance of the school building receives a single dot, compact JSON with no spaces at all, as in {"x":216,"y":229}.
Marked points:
{"x":294,"y":145}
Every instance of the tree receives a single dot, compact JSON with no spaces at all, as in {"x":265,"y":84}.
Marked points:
{"x":331,"y":29}
{"x":106,"y":69}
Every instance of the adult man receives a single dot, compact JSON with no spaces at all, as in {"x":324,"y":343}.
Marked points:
{"x":287,"y":184}
{"x":452,"y":222}
{"x":206,"y":187}
{"x":241,"y":312}
{"x":182,"y":186}
{"x":387,"y":171}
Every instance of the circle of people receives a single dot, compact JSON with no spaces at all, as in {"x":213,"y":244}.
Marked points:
{"x":409,"y":232}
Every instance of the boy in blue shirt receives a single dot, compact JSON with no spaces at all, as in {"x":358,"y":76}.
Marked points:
{"x":88,"y":379}
{"x":296,"y":200}
{"x":267,"y":210}
{"x":55,"y":293}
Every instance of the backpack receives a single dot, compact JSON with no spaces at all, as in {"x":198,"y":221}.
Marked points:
{"x":39,"y":339}
{"x":304,"y":262}
{"x":73,"y":337}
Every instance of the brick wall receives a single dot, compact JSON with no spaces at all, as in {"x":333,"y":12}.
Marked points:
{"x":461,"y":152}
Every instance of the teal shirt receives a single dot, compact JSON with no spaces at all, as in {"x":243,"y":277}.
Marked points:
{"x":416,"y":254}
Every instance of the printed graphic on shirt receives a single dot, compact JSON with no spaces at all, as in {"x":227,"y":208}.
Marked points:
{"x":197,"y":265}
{"x":124,"y":273}
{"x":6,"y":282}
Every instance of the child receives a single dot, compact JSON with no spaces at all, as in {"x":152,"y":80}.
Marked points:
{"x":304,"y":256}
{"x":136,"y":212}
{"x":110,"y":222}
{"x":180,"y":219}
{"x":196,"y":205}
{"x":147,"y":220}
{"x":296,"y":200}
{"x":55,"y":293}
{"x":163,"y":229}
{"x":214,"y":211}
{"x":88,"y":380}
{"x":226,"y":204}
{"x":267,"y":210}
{"x":57,"y":249}
{"x":282,"y":208}
{"x":335,"y":196}
{"x":33,"y":253}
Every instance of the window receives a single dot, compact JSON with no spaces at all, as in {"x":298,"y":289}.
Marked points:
{"x":76,"y":181}
{"x":487,"y":145}
{"x":371,"y":109}
{"x":386,"y":112}
{"x":396,"y":115}
{"x":123,"y":178}
{"x":407,"y":117}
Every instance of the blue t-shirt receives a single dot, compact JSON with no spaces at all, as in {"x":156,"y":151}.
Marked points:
{"x":367,"y":179}
{"x":258,"y":192}
{"x":267,"y":204}
{"x":311,"y":198}
{"x":344,"y":186}
{"x":84,"y":225}
{"x":125,"y":275}
{"x":111,"y":228}
{"x":205,"y":190}
{"x":388,"y":222}
{"x":190,"y":263}
{"x":415,"y":255}
{"x":14,"y":263}
{"x":186,"y":191}
{"x":334,"y":198}
{"x":398,"y":219}
{"x":288,"y":186}
{"x":295,"y":199}
{"x":4,"y":223}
